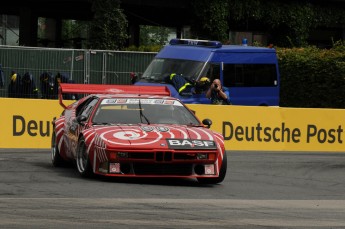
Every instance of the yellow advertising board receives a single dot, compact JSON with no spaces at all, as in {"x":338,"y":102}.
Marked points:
{"x":276,"y":128}
{"x":26,"y":123}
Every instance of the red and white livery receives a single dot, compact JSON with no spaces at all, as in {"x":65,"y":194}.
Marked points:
{"x":136,"y":131}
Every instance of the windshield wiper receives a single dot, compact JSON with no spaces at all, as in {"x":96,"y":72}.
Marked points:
{"x":100,"y":123}
{"x":194,"y":125}
{"x":142,"y":114}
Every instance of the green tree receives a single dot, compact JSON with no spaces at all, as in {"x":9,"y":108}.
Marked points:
{"x":108,"y":30}
{"x":211,"y":19}
{"x":74,"y":33}
{"x":153,"y":35}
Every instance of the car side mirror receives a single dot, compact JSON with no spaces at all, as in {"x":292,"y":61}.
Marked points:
{"x":207,"y":122}
{"x":81,"y":119}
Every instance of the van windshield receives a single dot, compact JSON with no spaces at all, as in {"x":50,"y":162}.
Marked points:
{"x":161,"y":68}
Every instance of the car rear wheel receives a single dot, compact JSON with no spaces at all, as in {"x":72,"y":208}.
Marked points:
{"x":57,"y":160}
{"x":83,"y":160}
{"x":222,"y":174}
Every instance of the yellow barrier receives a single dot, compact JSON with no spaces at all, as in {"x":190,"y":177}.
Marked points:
{"x":276,"y":128}
{"x":26,"y":123}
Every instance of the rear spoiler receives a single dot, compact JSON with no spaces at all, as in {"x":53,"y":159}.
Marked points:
{"x":66,"y":88}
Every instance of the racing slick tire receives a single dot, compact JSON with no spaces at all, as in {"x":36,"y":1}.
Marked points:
{"x":83,"y":160}
{"x":57,"y":160}
{"x":222,"y":174}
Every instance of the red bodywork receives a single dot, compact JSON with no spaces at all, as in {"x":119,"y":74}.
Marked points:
{"x":138,"y":150}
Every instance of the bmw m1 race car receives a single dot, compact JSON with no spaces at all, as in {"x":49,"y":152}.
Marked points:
{"x":135,"y":131}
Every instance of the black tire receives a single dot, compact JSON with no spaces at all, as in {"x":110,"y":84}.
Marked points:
{"x":57,"y":160}
{"x":222,"y":174}
{"x":83,"y":160}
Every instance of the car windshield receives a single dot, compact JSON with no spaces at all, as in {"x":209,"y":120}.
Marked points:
{"x":161,"y":68}
{"x":148,"y":111}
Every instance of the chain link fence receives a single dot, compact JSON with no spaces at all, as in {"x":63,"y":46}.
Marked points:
{"x":75,"y":65}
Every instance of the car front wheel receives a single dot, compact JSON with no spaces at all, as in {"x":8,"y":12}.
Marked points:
{"x":83,"y":160}
{"x":57,"y":160}
{"x":222,"y":174}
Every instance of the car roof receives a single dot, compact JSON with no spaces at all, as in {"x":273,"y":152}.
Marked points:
{"x":104,"y":96}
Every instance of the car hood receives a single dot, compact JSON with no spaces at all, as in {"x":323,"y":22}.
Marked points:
{"x":156,"y":137}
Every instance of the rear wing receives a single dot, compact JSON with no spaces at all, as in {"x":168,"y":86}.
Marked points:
{"x":66,"y":88}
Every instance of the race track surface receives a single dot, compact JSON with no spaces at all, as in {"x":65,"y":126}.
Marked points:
{"x":261,"y":190}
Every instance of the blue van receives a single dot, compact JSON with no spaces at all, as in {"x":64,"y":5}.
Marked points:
{"x":251,"y":74}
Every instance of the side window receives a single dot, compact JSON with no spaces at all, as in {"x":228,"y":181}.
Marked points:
{"x":250,"y":75}
{"x":86,"y":107}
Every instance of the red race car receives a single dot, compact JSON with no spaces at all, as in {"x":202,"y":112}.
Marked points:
{"x":135,"y":131}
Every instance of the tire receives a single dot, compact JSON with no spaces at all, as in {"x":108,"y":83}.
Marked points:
{"x":222,"y":173}
{"x":57,"y":160}
{"x":83,"y":160}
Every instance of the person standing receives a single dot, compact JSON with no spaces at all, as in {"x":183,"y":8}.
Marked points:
{"x":2,"y":77}
{"x":15,"y":86}
{"x":218,"y":94}
{"x":29,"y":89}
{"x":47,"y":85}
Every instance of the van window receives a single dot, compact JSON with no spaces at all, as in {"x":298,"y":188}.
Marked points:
{"x":161,"y":68}
{"x":212,"y":71}
{"x":250,"y":75}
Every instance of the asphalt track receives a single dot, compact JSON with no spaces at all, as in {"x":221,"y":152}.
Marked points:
{"x":261,"y":190}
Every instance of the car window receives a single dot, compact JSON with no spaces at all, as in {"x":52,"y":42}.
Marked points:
{"x":151,"y":111}
{"x":87,"y":108}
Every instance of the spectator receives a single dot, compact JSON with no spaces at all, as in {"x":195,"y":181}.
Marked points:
{"x":180,"y":83}
{"x":2,"y":77}
{"x":29,"y":89}
{"x":15,"y":86}
{"x":63,"y":78}
{"x":202,"y":85}
{"x":47,"y":85}
{"x":218,"y":94}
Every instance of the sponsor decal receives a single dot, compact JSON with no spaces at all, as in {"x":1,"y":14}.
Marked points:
{"x":147,"y":128}
{"x":109,"y":101}
{"x":142,"y":101}
{"x":158,"y":101}
{"x":159,"y":128}
{"x":169,"y":102}
{"x":283,"y":133}
{"x":31,"y":127}
{"x":162,"y":129}
{"x":190,"y":144}
{"x":121,"y":100}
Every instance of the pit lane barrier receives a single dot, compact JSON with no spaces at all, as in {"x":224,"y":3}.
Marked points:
{"x":26,"y":124}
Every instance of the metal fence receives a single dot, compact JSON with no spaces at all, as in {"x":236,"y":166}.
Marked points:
{"x":81,"y":66}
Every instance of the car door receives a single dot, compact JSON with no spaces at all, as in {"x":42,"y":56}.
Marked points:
{"x":75,"y":127}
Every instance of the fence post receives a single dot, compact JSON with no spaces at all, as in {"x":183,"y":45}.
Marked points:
{"x":104,"y":68}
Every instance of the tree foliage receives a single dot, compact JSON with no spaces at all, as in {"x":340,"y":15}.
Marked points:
{"x":153,"y":35}
{"x":211,"y":19}
{"x":312,"y":77}
{"x":289,"y":23}
{"x":108,"y":29}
